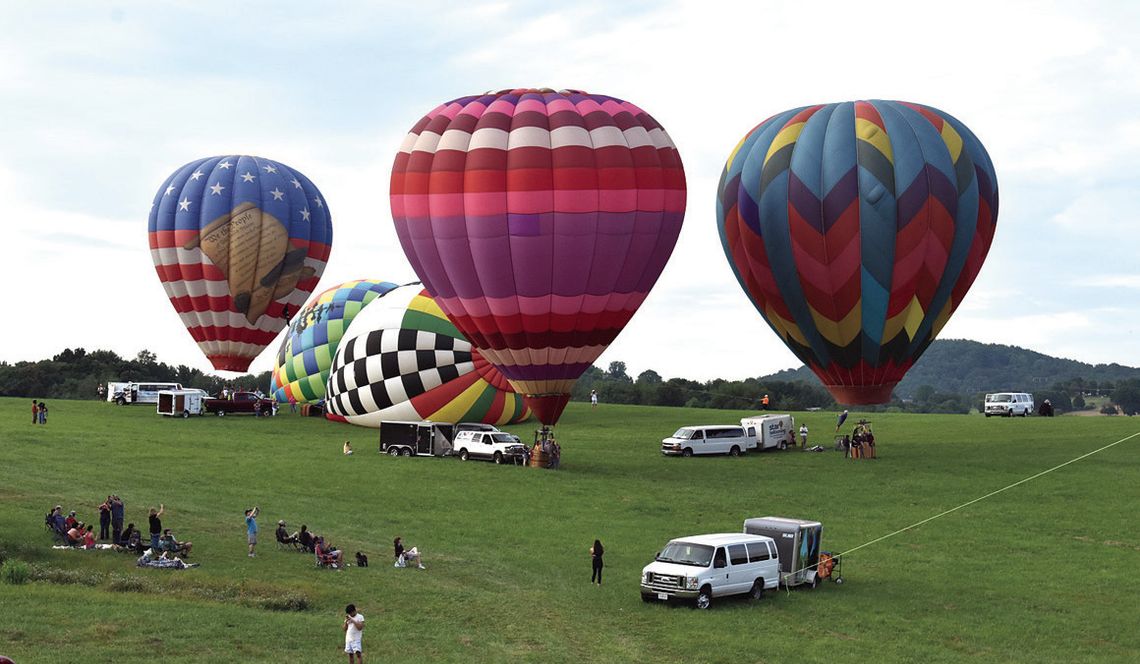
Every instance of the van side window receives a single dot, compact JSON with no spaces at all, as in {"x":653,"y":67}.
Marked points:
{"x":771,"y":549}
{"x":738,"y":554}
{"x":698,"y":434}
{"x":719,"y":557}
{"x":758,"y":551}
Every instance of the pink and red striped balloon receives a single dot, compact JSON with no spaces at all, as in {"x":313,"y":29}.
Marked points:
{"x":539,"y":220}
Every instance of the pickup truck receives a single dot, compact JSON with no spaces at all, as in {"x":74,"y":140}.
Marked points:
{"x":241,"y":402}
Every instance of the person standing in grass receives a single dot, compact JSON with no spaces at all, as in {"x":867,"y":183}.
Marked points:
{"x":155,"y":519}
{"x":803,"y":436}
{"x":596,"y":553}
{"x":35,"y":411}
{"x":105,"y":519}
{"x":251,"y":528}
{"x":116,"y":519}
{"x":353,"y":626}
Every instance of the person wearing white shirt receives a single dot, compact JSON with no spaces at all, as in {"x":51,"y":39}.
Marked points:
{"x":353,"y":626}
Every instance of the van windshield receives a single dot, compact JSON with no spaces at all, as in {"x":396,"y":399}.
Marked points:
{"x":683,"y":434}
{"x":999,"y":398}
{"x":502,"y":438}
{"x":685,"y":553}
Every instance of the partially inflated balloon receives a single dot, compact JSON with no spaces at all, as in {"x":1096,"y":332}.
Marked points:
{"x":539,"y":220}
{"x":856,"y":230}
{"x":239,"y":243}
{"x":306,"y":353}
{"x":402,"y":359}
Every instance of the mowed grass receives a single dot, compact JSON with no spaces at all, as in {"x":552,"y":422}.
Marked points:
{"x":1047,"y":571}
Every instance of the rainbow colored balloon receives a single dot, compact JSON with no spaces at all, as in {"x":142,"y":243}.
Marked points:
{"x":856,"y":230}
{"x":539,"y":220}
{"x":402,"y":359}
{"x":239,"y":243}
{"x":306,"y":353}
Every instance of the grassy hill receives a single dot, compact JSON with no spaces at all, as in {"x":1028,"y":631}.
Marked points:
{"x":1043,"y":572}
{"x":960,"y":366}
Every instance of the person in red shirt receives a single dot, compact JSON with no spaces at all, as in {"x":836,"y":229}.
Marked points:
{"x":35,"y":411}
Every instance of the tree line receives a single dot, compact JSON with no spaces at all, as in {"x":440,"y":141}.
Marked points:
{"x":76,"y":374}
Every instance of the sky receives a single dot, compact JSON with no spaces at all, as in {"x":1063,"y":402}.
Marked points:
{"x":101,"y":102}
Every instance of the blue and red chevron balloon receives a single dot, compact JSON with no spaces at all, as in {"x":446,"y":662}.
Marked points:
{"x":856,"y":229}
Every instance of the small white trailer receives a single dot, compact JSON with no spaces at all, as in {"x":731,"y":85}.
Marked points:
{"x":771,"y":431}
{"x":181,"y":403}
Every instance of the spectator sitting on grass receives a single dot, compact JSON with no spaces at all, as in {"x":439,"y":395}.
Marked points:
{"x":305,"y":539}
{"x":283,"y":535}
{"x":171,"y":545}
{"x":89,"y":537}
{"x":75,"y":535}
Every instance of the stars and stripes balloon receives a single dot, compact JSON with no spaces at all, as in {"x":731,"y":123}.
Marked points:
{"x":402,"y":359}
{"x":239,"y":242}
{"x":539,"y":220}
{"x":305,"y":357}
{"x":856,"y":230}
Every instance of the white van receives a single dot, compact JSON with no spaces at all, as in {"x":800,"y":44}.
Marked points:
{"x":143,"y":392}
{"x":1008,"y":404}
{"x":494,"y":446}
{"x":720,"y":439}
{"x":702,"y":567}
{"x":771,"y":431}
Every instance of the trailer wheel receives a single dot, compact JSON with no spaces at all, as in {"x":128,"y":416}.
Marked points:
{"x":757,"y":592}
{"x":783,"y":445}
{"x":704,"y":598}
{"x":735,"y":451}
{"x":687,"y":452}
{"x":394,"y":451}
{"x":838,"y":580}
{"x":185,"y":414}
{"x":221,"y":413}
{"x":814,"y":582}
{"x":499,"y":458}
{"x":463,"y":455}
{"x":407,"y":451}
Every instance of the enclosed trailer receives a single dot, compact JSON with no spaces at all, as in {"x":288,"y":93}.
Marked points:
{"x":771,"y":431}
{"x":798,"y":542}
{"x":181,"y":403}
{"x":416,"y":438}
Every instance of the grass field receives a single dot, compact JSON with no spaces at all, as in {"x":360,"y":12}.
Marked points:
{"x":1044,"y":572}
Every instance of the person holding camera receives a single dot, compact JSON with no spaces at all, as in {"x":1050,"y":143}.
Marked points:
{"x":353,"y":626}
{"x":251,"y":528}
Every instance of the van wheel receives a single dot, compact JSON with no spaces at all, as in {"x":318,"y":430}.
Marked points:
{"x":704,"y":599}
{"x":499,"y":458}
{"x":757,"y":592}
{"x":121,"y":401}
{"x":464,"y":455}
{"x":987,"y":414}
{"x":394,"y":451}
{"x":407,"y":451}
{"x":687,"y":452}
{"x":735,"y":451}
{"x":1025,"y":413}
{"x":814,"y":582}
{"x":647,"y":598}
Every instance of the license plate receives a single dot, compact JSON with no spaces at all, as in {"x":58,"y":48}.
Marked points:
{"x":663,"y":596}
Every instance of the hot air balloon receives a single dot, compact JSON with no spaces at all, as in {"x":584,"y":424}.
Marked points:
{"x":539,"y":220}
{"x":305,"y":357}
{"x":856,"y":230}
{"x":402,"y":359}
{"x":239,"y":243}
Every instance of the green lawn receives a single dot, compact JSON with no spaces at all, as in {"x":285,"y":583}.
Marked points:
{"x":1044,"y":572}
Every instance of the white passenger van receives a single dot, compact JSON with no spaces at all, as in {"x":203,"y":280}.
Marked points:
{"x":702,"y":567}
{"x":1008,"y":404}
{"x":771,"y":431}
{"x":726,"y":439}
{"x":143,"y":392}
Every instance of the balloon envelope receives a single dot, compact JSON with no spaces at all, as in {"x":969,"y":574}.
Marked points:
{"x":238,"y":242}
{"x":305,"y":357}
{"x":539,"y":220}
{"x":402,"y":359}
{"x":856,"y":230}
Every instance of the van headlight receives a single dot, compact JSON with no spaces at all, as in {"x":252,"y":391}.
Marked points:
{"x":645,"y":578}
{"x":692,"y":582}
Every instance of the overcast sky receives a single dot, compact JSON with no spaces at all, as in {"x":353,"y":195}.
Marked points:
{"x":102,"y":101}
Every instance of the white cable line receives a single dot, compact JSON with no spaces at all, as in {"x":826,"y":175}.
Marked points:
{"x":837,"y":556}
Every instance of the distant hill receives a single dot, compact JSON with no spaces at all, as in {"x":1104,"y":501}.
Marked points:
{"x":964,"y":367}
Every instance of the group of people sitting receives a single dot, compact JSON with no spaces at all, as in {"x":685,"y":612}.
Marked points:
{"x":74,"y":533}
{"x":327,"y":555}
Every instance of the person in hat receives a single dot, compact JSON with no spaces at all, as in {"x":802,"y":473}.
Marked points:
{"x":284,"y":537}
